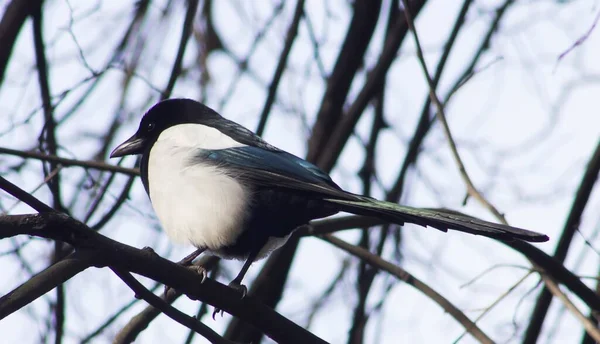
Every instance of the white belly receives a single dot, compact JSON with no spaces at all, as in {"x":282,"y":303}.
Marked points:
{"x":196,"y":204}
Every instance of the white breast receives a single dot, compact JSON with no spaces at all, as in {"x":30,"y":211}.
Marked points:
{"x":198,"y":204}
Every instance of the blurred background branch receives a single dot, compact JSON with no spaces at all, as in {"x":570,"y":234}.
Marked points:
{"x":346,"y":85}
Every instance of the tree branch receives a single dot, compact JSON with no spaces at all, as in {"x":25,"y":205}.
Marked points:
{"x":13,"y":19}
{"x":170,"y":311}
{"x":441,"y":116}
{"x":397,"y":29}
{"x":140,"y":322}
{"x":289,"y":41}
{"x":571,"y":226}
{"x":45,"y":281}
{"x":111,"y":253}
{"x":414,"y":282}
{"x":588,"y":325}
{"x":24,"y":196}
{"x":350,"y":58}
{"x":96,"y":165}
{"x":186,"y":32}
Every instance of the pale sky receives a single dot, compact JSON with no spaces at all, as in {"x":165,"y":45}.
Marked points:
{"x":525,"y":125}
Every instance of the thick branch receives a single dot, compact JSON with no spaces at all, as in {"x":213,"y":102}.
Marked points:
{"x":14,"y":16}
{"x":43,"y":282}
{"x":375,"y":78}
{"x":170,"y":311}
{"x":289,"y":41}
{"x":114,"y":254}
{"x":350,"y":58}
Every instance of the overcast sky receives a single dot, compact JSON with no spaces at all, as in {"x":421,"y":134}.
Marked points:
{"x":525,"y":125}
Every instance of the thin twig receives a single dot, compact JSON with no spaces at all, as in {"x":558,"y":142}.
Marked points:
{"x":545,"y":263}
{"x":471,"y":189}
{"x":366,"y":273}
{"x":243,"y":65}
{"x":96,"y":165}
{"x":579,"y":41}
{"x":424,"y":123}
{"x":589,"y":326}
{"x":496,"y":302}
{"x":111,"y":319}
{"x":411,"y":280}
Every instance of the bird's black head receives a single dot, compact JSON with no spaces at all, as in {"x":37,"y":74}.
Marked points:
{"x":161,"y":116}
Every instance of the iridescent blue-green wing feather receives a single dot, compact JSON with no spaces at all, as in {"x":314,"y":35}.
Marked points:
{"x":441,"y":219}
{"x":276,"y":169}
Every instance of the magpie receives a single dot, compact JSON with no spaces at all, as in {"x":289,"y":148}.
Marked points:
{"x":215,"y":184}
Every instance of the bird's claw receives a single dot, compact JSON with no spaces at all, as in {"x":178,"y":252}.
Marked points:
{"x":217,"y":311}
{"x":239,"y":288}
{"x":197,"y":269}
{"x":200,"y":271}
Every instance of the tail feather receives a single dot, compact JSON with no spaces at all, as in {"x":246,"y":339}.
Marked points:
{"x":441,"y":219}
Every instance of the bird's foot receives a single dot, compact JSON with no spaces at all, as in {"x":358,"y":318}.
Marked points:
{"x":217,"y":311}
{"x":200,"y":271}
{"x":197,"y":269}
{"x":239,"y":288}
{"x":187,"y":262}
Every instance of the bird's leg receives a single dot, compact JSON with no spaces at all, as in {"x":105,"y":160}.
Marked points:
{"x":187,"y":262}
{"x":236,"y":284}
{"x":190,"y":257}
{"x":237,"y":281}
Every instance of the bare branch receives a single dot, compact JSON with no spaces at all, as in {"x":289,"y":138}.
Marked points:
{"x":589,"y":326}
{"x":170,"y":311}
{"x":96,"y":165}
{"x":414,"y":282}
{"x":44,"y":281}
{"x":15,"y":15}
{"x":471,"y":189}
{"x":24,"y":196}
{"x":580,"y":40}
{"x":185,"y":37}
{"x":571,"y":226}
{"x":289,"y":41}
{"x":140,"y":322}
{"x":60,"y":227}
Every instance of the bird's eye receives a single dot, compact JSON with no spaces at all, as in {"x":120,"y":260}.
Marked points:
{"x":150,"y":127}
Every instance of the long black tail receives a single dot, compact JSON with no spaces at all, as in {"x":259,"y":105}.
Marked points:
{"x":441,"y":219}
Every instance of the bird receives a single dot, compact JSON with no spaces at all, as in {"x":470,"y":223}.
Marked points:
{"x":216,"y":185}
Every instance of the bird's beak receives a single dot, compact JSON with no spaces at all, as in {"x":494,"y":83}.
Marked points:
{"x":133,"y":145}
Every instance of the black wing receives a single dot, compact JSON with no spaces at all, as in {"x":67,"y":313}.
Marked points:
{"x":277,"y":169}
